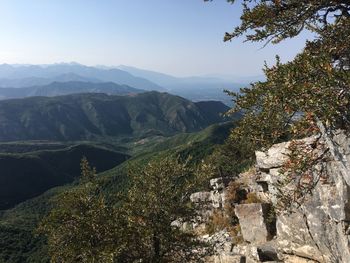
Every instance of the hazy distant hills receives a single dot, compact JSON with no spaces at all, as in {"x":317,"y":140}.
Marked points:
{"x":171,"y":82}
{"x":36,"y":81}
{"x":29,"y":75}
{"x":195,"y":88}
{"x":66,"y":88}
{"x":91,"y":116}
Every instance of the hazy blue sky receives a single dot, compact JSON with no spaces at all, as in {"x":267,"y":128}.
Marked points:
{"x":180,"y":37}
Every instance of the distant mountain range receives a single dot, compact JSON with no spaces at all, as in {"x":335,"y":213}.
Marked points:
{"x":170,"y":82}
{"x":36,"y":81}
{"x":66,"y":88}
{"x":91,"y":116}
{"x":53,"y":115}
{"x":21,"y":75}
{"x":196,"y":88}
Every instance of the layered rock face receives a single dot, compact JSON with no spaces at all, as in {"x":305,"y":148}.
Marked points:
{"x":318,"y":230}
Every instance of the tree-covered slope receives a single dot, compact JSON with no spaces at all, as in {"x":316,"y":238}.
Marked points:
{"x":92,"y":116}
{"x":18,"y":243}
{"x":27,"y":175}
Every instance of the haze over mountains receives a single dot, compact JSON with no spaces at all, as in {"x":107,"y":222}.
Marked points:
{"x":69,"y":72}
{"x":193,"y":88}
{"x":66,"y":88}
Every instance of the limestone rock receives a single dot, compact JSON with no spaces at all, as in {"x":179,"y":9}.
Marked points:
{"x":316,"y":231}
{"x":273,"y":157}
{"x":276,"y":156}
{"x":252,"y":219}
{"x":217,"y":183}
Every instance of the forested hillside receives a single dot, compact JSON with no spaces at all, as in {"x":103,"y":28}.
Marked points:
{"x":30,"y":174}
{"x":91,"y":116}
{"x":18,"y":242}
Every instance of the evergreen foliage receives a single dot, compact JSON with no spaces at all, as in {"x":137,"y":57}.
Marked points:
{"x":314,"y":87}
{"x":84,"y":227}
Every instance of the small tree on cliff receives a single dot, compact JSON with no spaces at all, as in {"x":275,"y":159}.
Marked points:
{"x":157,"y":196}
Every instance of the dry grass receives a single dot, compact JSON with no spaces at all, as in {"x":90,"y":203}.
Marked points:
{"x":252,"y":198}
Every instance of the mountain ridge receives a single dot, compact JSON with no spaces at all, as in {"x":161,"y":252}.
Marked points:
{"x":65,"y":88}
{"x":94,"y":115}
{"x":52,"y":71}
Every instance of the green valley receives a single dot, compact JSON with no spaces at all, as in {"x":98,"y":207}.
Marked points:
{"x":19,"y":243}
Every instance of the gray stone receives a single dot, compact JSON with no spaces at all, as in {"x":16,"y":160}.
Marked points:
{"x":218,"y":199}
{"x":273,"y":157}
{"x":276,"y":156}
{"x":223,"y":258}
{"x":252,"y":219}
{"x":296,"y":259}
{"x":316,"y":231}
{"x":220,"y":183}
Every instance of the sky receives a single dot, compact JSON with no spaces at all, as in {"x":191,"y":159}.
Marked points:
{"x":178,"y":37}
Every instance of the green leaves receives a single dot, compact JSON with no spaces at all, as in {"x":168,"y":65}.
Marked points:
{"x":313,"y":87}
{"x":158,"y":195}
{"x":84,"y":227}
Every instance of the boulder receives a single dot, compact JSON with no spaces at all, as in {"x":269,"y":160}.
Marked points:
{"x":218,"y":199}
{"x":252,"y":219}
{"x":318,"y":230}
{"x":276,"y":156}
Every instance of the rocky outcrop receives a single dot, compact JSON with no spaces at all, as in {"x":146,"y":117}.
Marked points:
{"x":317,"y":230}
